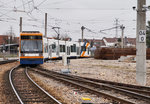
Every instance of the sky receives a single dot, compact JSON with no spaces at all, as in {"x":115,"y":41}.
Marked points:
{"x":70,"y":15}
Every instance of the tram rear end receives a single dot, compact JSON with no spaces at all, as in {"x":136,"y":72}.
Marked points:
{"x":31,"y":47}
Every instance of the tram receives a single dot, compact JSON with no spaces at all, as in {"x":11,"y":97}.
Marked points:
{"x":31,"y":47}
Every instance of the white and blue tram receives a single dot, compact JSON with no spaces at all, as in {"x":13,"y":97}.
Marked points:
{"x":34,"y":48}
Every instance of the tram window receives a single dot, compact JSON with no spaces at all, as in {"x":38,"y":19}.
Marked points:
{"x":62,"y":48}
{"x":46,"y":48}
{"x":68,"y":50}
{"x":73,"y":48}
{"x":78,"y":50}
{"x":53,"y":47}
{"x":83,"y":48}
{"x":88,"y":50}
{"x":31,"y":37}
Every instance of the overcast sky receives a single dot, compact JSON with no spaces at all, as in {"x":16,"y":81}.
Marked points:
{"x":70,"y":15}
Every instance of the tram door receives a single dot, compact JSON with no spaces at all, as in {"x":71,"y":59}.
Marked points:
{"x":68,"y":50}
{"x":50,"y":51}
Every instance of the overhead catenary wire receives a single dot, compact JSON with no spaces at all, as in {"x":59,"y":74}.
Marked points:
{"x":31,"y":7}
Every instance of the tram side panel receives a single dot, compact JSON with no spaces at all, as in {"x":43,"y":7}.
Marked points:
{"x":73,"y":49}
{"x":85,"y":49}
{"x":52,"y":45}
{"x":45,"y":48}
{"x":62,"y":48}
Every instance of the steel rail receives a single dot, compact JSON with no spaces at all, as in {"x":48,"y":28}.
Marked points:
{"x":10,"y":80}
{"x":41,"y":88}
{"x":129,"y":87}
{"x":16,"y":93}
{"x":91,"y":89}
{"x":143,"y":89}
{"x":104,"y":86}
{"x":118,"y":84}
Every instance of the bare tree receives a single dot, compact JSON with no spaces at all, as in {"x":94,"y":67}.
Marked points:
{"x":66,"y":37}
{"x":10,"y":36}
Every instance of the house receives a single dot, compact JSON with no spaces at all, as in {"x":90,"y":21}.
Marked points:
{"x":7,"y":42}
{"x":4,"y":39}
{"x":116,"y":42}
{"x":130,"y":42}
{"x":110,"y":42}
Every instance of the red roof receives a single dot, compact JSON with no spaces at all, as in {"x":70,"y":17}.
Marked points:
{"x":127,"y":40}
{"x":111,"y":40}
{"x":4,"y":38}
{"x":131,"y":41}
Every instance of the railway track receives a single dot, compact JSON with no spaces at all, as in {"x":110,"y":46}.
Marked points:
{"x":120,"y":95}
{"x":26,"y":90}
{"x":7,"y":61}
{"x":138,"y":89}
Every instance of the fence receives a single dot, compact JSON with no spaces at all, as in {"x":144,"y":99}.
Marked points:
{"x":115,"y":53}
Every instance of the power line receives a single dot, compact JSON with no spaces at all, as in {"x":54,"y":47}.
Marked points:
{"x":41,"y":3}
{"x":86,"y":9}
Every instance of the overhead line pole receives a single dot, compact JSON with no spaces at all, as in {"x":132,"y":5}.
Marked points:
{"x":82,"y":29}
{"x":122,"y":36}
{"x":20,"y":25}
{"x":116,"y":27}
{"x":141,"y":43}
{"x":45,"y":24}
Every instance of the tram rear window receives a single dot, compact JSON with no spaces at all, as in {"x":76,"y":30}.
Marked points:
{"x":31,"y":37}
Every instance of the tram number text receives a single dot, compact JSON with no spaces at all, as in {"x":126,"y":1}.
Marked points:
{"x":142,"y":36}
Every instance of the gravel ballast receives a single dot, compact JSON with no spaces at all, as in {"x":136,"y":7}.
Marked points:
{"x":5,"y":90}
{"x":110,"y":70}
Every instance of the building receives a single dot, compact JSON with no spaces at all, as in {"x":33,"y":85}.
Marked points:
{"x":130,"y":42}
{"x":8,"y":43}
{"x":111,"y":42}
{"x":7,"y":39}
{"x":3,"y":39}
{"x":116,"y":42}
